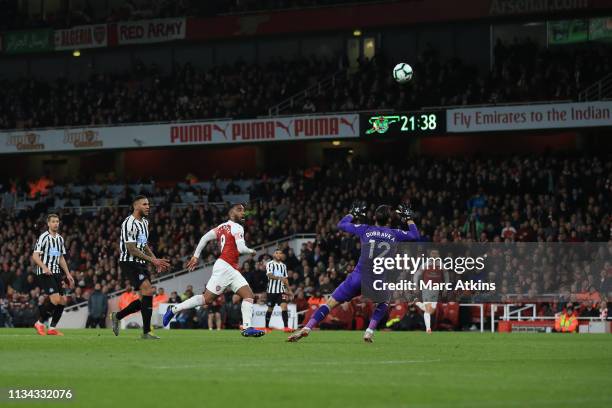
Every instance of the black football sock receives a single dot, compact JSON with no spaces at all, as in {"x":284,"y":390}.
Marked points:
{"x":129,"y":309}
{"x":57,"y":315}
{"x":268,"y":317}
{"x":45,"y":311}
{"x":285,"y":314}
{"x":147,"y":311}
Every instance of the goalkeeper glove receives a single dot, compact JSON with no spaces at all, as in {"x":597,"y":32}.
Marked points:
{"x":405,"y":213}
{"x":358,"y":209}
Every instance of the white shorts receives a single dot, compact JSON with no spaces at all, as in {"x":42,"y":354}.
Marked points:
{"x":223,"y":276}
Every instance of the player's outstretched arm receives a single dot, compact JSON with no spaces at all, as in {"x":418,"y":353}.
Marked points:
{"x":358,"y":210}
{"x":206,"y":238}
{"x":412,"y":234}
{"x":162,"y":265}
{"x":346,"y":224}
{"x":243,"y":249}
{"x":137,"y":253}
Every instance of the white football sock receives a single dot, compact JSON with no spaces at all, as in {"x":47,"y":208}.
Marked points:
{"x":247,"y":312}
{"x":427,"y":318}
{"x":194,"y":301}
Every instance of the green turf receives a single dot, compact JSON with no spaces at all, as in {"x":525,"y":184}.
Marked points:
{"x":328,"y":369}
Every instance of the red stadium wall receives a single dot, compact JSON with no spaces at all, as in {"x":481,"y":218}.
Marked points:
{"x":173,"y":164}
{"x":98,"y":163}
{"x":399,"y":13}
{"x":13,"y":165}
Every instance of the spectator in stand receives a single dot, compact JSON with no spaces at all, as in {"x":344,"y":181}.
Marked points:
{"x":603,"y":310}
{"x":188,"y":293}
{"x":22,"y":309}
{"x":567,"y":320}
{"x":5,"y":316}
{"x":545,"y":310}
{"x":127,"y":297}
{"x":174,"y":298}
{"x":233,"y":313}
{"x":589,"y":309}
{"x":605,"y":280}
{"x":508,"y":232}
{"x":411,"y":320}
{"x":214,"y":313}
{"x":325,"y":285}
{"x":78,"y":295}
{"x":473,"y":227}
{"x":301,"y":303}
{"x":160,"y":297}
{"x":97,"y":307}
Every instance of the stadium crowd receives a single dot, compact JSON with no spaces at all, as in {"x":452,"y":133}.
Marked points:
{"x":69,"y":15}
{"x":506,"y":199}
{"x":85,"y":12}
{"x":147,"y":95}
{"x":522,"y":72}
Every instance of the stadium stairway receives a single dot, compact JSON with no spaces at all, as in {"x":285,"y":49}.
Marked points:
{"x":75,"y":316}
{"x":301,"y":96}
{"x":600,"y":90}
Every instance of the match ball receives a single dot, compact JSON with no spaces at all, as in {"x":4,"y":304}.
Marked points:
{"x":402,"y":72}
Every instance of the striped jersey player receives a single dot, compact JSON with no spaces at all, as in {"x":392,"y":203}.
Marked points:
{"x":225,"y":273}
{"x":48,"y":256}
{"x":134,"y":256}
{"x":278,"y":291}
{"x":133,"y":230}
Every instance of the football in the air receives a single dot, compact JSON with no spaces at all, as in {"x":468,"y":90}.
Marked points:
{"x":402,"y":72}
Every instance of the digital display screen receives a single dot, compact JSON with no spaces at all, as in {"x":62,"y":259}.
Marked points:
{"x":397,"y":124}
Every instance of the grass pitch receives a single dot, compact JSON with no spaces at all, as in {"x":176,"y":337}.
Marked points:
{"x":328,"y":369}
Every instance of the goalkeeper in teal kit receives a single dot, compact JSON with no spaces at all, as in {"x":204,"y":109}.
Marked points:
{"x":376,"y":241}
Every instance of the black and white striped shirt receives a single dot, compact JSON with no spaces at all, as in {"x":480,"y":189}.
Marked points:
{"x":133,"y":230}
{"x":51,"y":247}
{"x":279,"y":270}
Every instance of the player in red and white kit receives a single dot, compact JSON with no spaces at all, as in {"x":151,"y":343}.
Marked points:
{"x":430,"y":297}
{"x":225,"y":273}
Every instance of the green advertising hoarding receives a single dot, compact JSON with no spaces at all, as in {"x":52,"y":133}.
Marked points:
{"x":601,"y":28}
{"x":19,"y":42}
{"x":568,"y":31}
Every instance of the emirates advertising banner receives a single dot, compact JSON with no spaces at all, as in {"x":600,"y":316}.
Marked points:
{"x":151,"y":31}
{"x":182,"y":134}
{"x":529,"y":117}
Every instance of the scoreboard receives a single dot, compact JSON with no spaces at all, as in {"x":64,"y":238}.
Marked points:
{"x":404,"y":124}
